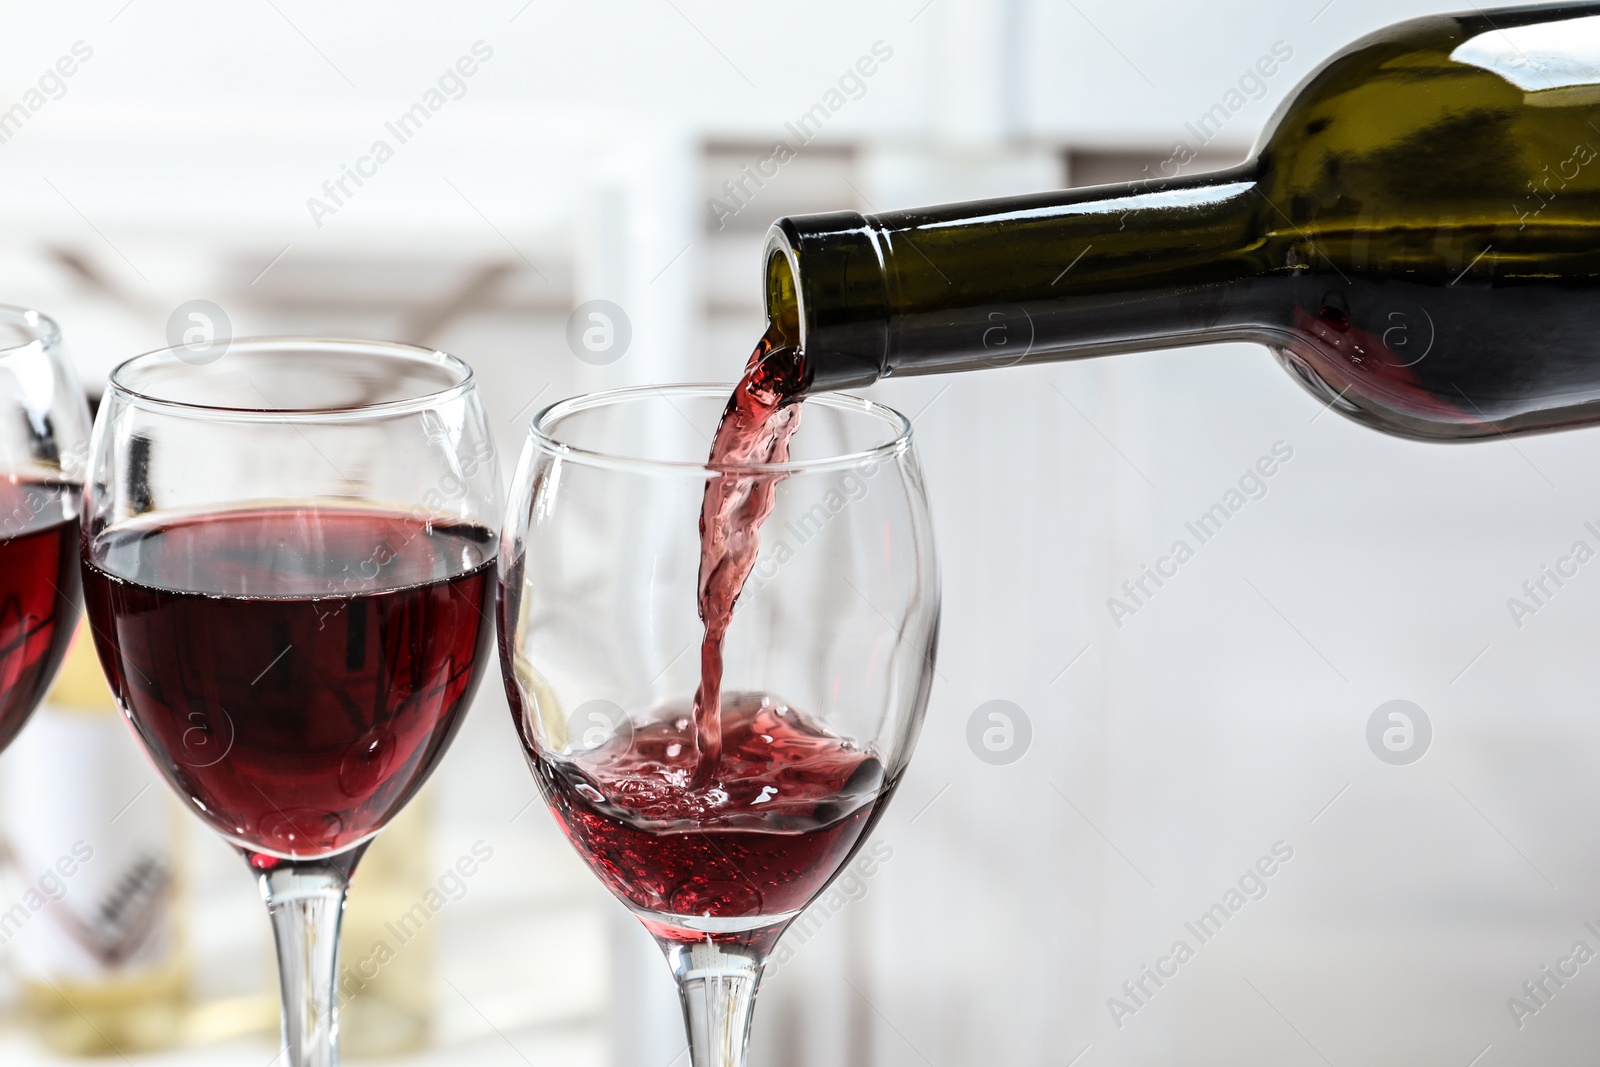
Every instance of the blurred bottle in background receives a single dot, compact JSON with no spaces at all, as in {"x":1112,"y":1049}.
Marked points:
{"x":387,"y":955}
{"x":93,"y":846}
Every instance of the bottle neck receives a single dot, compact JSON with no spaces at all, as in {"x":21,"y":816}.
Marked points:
{"x":993,"y":283}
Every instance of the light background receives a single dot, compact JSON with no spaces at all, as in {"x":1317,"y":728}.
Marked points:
{"x":1167,"y":754}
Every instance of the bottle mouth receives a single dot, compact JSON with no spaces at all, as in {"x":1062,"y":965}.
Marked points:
{"x":827,"y":291}
{"x":303,"y":378}
{"x":23,"y":330}
{"x":783,"y":296}
{"x":663,"y":429}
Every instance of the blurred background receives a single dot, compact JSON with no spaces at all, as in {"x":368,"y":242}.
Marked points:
{"x":1033,"y":897}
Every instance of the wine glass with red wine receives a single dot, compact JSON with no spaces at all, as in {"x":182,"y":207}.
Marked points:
{"x":288,"y":561}
{"x":717,"y":794}
{"x":44,"y":443}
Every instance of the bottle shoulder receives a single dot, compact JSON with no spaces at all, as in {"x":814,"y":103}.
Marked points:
{"x":1445,"y":114}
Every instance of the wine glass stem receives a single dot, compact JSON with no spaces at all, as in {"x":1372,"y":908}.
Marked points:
{"x":305,"y":901}
{"x":718,"y":988}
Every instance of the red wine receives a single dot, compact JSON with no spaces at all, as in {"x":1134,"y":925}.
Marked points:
{"x":38,"y":592}
{"x":786,"y":807}
{"x":755,"y":428}
{"x":295,"y":672}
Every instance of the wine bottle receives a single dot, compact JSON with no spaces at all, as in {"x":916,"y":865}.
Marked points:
{"x":93,"y":838}
{"x":1417,"y":238}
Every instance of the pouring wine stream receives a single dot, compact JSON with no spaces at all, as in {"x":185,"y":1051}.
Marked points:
{"x":761,"y":416}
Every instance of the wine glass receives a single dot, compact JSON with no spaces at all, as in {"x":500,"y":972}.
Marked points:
{"x":827,"y":666}
{"x":44,"y":441}
{"x":288,"y":561}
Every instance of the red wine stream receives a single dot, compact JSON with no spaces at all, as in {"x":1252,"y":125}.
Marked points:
{"x":761,"y":416}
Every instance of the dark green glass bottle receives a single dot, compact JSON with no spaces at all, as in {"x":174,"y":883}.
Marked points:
{"x":1417,"y":238}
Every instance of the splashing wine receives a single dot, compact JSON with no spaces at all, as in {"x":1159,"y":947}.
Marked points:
{"x":789,"y":804}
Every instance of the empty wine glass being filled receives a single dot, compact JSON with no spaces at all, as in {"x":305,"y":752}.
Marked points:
{"x":716,"y":773}
{"x":288,"y":560}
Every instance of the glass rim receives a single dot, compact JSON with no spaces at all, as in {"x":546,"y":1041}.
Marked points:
{"x":464,"y":375}
{"x":46,"y":334}
{"x":540,"y":437}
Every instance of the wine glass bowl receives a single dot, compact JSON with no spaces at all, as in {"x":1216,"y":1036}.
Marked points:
{"x":783,"y":825}
{"x":289,"y":563}
{"x":296,"y":723}
{"x":827,"y":665}
{"x":288,"y":567}
{"x":44,"y":435}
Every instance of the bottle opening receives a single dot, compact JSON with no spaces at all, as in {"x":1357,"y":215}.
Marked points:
{"x":783,"y":301}
{"x":826,"y":284}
